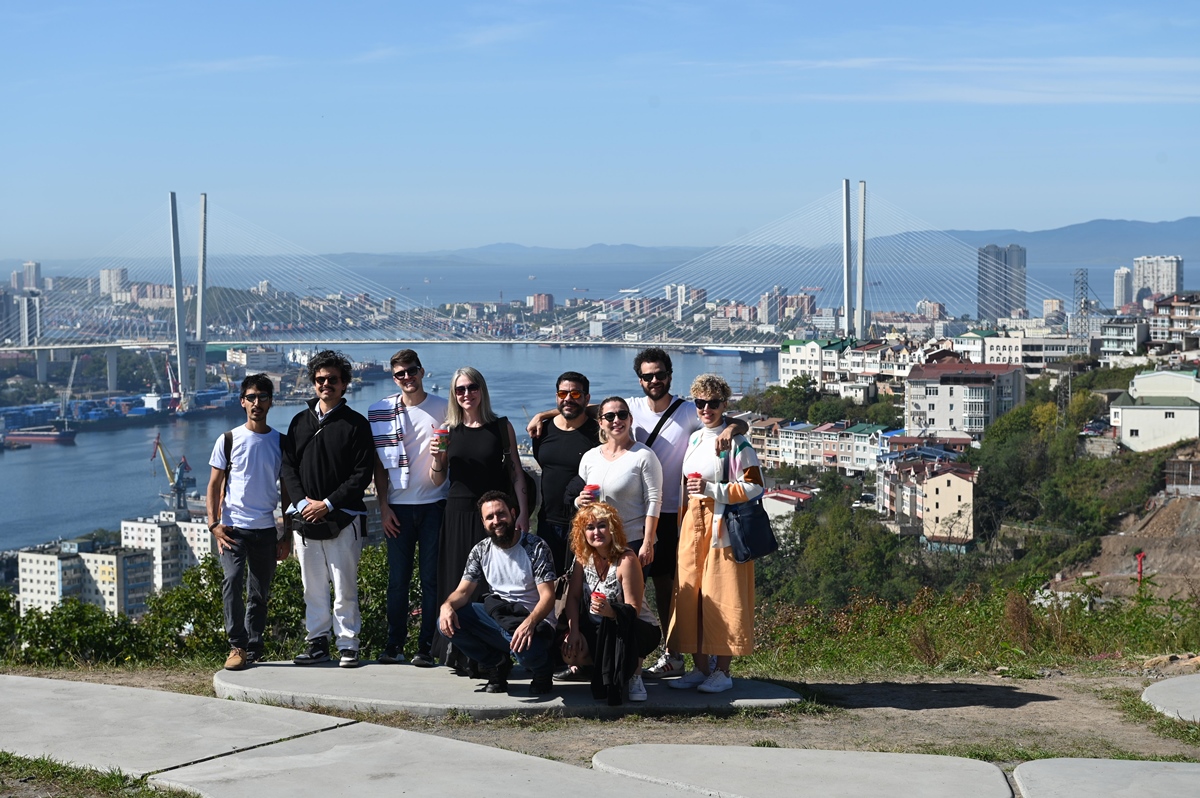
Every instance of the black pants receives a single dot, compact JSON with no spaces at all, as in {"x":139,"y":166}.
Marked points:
{"x":245,"y":620}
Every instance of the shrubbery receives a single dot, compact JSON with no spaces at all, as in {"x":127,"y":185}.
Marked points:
{"x":186,"y":621}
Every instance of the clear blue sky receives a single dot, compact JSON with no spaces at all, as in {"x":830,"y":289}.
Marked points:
{"x":413,"y":126}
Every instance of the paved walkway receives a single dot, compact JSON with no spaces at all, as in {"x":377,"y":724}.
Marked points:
{"x":224,"y":749}
{"x":437,"y":691}
{"x":1176,"y":698}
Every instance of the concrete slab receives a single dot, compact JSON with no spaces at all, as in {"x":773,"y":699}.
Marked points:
{"x":1177,"y":698}
{"x":139,"y":731}
{"x":1106,"y":778}
{"x":437,"y":691}
{"x":374,"y":760}
{"x":741,"y":772}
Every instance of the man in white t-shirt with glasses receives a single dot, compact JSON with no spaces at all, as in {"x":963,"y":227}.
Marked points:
{"x":243,"y":492}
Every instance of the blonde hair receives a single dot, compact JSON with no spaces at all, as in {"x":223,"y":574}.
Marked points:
{"x":454,"y":412}
{"x":711,"y":386}
{"x":597,"y":511}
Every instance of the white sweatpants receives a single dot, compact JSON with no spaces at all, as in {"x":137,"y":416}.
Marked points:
{"x":336,"y":561}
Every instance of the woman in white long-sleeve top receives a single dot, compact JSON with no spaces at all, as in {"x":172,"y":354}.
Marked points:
{"x":628,"y":476}
{"x":714,"y":594}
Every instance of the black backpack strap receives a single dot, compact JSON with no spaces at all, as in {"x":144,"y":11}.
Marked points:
{"x":228,"y":458}
{"x":663,"y":420}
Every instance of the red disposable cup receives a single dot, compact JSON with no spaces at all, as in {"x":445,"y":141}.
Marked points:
{"x":598,"y":595}
{"x":440,"y":431}
{"x":695,"y":475}
{"x":592,"y":488}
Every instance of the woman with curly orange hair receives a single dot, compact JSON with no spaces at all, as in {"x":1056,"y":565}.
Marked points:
{"x":618,"y":629}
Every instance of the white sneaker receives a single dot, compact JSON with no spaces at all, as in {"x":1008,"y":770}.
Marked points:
{"x":688,"y":680}
{"x":717,"y":682}
{"x":667,"y":665}
{"x":637,"y":688}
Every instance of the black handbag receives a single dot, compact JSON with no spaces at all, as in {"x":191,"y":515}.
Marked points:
{"x":748,"y":527}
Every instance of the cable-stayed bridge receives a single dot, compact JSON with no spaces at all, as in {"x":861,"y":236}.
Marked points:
{"x":784,"y":280}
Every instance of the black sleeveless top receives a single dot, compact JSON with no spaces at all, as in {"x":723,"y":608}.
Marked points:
{"x":475,"y":459}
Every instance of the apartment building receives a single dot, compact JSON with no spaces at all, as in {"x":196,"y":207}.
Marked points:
{"x":116,"y":579}
{"x":1160,"y":408}
{"x":176,"y":544}
{"x":1176,"y":319}
{"x":1123,"y":335}
{"x":951,"y":397}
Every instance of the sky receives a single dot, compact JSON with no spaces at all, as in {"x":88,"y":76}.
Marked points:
{"x":407,"y":127}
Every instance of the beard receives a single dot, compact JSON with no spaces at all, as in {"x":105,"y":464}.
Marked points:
{"x":503,"y":535}
{"x":570,"y":410}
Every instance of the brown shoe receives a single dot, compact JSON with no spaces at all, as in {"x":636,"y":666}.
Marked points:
{"x":237,"y":660}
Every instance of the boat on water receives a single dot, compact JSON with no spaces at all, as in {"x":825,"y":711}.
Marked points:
{"x":45,"y":434}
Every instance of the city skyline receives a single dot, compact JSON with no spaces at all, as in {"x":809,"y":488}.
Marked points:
{"x":417,"y":129}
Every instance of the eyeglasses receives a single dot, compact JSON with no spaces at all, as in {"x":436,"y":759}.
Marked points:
{"x":330,"y":380}
{"x":612,"y":416}
{"x":576,"y":395}
{"x":704,"y":404}
{"x":253,"y":398}
{"x":408,"y":372}
{"x":463,"y":390}
{"x":660,"y":376}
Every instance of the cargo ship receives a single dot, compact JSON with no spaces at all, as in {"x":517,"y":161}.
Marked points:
{"x":44,"y":434}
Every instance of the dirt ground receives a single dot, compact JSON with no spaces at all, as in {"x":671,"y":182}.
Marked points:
{"x":1002,"y":720}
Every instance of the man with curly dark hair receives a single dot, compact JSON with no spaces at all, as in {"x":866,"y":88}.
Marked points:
{"x":328,"y":462}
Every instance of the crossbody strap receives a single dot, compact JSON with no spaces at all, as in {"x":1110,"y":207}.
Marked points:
{"x":663,"y":420}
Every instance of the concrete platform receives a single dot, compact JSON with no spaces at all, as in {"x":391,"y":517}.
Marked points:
{"x":1106,"y":778}
{"x":1177,"y":698}
{"x":437,"y":691}
{"x":741,"y":772}
{"x":138,"y":731}
{"x":365,"y":759}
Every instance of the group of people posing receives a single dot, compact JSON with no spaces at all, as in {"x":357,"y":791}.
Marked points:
{"x":631,"y":490}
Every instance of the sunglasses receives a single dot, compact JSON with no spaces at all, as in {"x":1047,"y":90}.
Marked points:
{"x":253,"y":398}
{"x":463,"y":390}
{"x":408,"y":372}
{"x":576,"y":395}
{"x":330,"y":380}
{"x":704,"y":404}
{"x":660,"y":376}
{"x":612,"y":416}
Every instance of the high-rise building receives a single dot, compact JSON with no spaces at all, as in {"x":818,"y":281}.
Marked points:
{"x":542,"y":303}
{"x":17,"y":281}
{"x":114,"y":281}
{"x":1157,"y":274}
{"x":771,"y":305}
{"x":1122,"y":287}
{"x":33,"y":275}
{"x":1000,"y":286}
{"x":117,"y":579}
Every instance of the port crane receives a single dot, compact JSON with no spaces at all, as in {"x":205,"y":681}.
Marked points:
{"x":178,"y":478}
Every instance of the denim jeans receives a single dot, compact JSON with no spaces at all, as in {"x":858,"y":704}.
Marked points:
{"x":254,"y":551}
{"x":486,"y":642}
{"x":557,"y":537}
{"x":420,"y":529}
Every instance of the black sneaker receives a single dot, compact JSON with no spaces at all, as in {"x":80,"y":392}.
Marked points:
{"x":392,"y":655}
{"x":423,"y":660}
{"x":541,"y":684}
{"x":498,"y":679}
{"x":317,"y":651}
{"x":253,"y":656}
{"x":348,"y":658}
{"x":571,"y":673}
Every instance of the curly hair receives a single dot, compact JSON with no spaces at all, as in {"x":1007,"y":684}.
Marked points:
{"x":711,"y":386}
{"x":652,"y":355}
{"x":597,"y":511}
{"x":329,"y":359}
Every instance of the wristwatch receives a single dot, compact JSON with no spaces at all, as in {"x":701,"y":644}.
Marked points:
{"x":213,"y":525}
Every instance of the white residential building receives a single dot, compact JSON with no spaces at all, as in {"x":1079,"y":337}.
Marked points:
{"x":1160,"y":408}
{"x":960,"y":397}
{"x":116,"y":579}
{"x":176,"y":544}
{"x":1158,"y":274}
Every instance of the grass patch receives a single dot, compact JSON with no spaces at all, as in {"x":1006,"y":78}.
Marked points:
{"x":1135,"y":710}
{"x":46,"y":777}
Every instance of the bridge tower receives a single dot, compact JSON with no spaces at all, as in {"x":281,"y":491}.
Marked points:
{"x":860,"y":310}
{"x":201,"y":264}
{"x":181,"y":336}
{"x":847,"y":328}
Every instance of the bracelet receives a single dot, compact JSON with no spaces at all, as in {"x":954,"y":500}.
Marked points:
{"x":213,"y":525}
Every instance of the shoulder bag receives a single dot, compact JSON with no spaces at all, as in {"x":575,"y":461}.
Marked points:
{"x":748,"y":527}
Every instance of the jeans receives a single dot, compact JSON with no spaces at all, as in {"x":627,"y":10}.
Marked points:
{"x":486,"y":642}
{"x":252,"y":550}
{"x":420,"y":530}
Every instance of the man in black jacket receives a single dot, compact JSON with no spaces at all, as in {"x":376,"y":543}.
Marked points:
{"x":328,"y":460}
